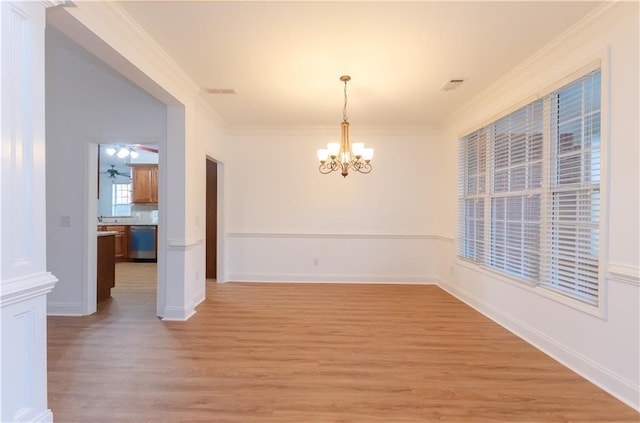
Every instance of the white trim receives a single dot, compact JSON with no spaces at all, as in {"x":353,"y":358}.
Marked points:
{"x":154,"y":49}
{"x":621,"y":388}
{"x":531,"y":60}
{"x":45,"y":417}
{"x":25,"y":288}
{"x":65,"y":309}
{"x":331,"y":278}
{"x":330,"y":236}
{"x":604,"y":62}
{"x":445,"y":238}
{"x":184,"y":244}
{"x":177,"y":314}
{"x":624,"y":273}
{"x":577,"y":74}
{"x":303,"y":131}
{"x":496,"y":117}
{"x":54,"y":3}
{"x":199,"y":298}
{"x":533,"y":288}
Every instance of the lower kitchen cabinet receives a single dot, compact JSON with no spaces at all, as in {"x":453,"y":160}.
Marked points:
{"x":121,"y":241}
{"x":106,"y":267}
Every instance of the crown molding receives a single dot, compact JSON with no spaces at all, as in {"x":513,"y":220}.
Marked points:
{"x":486,"y":94}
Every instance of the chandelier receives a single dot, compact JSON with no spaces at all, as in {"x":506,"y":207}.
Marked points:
{"x":345,"y":156}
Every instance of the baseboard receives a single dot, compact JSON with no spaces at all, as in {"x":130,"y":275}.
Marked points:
{"x":199,"y":298}
{"x":44,"y":417}
{"x":324,"y":278}
{"x":178,"y":314}
{"x":624,"y":390}
{"x":64,"y":309}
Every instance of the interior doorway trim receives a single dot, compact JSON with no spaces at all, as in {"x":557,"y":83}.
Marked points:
{"x":220,"y":232}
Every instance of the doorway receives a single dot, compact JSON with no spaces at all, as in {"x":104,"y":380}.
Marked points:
{"x":211,"y":220}
{"x":134,"y":223}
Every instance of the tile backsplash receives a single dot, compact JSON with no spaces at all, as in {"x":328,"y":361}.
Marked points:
{"x":143,"y":214}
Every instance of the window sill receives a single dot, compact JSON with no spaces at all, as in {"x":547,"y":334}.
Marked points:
{"x":541,"y":290}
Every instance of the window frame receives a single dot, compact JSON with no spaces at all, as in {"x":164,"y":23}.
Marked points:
{"x":599,"y":310}
{"x":114,"y":197}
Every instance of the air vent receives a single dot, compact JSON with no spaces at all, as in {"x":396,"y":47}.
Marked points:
{"x":221,"y":90}
{"x":452,"y":84}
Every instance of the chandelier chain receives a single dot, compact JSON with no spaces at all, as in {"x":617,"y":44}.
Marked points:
{"x":344,"y":109}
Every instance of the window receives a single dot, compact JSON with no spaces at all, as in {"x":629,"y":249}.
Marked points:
{"x":529,"y":192}
{"x":121,"y":199}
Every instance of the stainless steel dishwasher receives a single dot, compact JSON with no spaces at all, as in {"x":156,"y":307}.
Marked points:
{"x":142,"y":242}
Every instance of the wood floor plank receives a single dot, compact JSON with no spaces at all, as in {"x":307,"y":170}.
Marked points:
{"x":307,"y":353}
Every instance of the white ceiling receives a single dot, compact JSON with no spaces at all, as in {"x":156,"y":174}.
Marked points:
{"x":285,"y":58}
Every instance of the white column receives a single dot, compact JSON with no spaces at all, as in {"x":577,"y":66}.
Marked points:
{"x":24,"y":280}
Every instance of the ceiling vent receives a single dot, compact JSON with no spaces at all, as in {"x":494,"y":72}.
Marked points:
{"x":452,"y":84}
{"x":221,"y":90}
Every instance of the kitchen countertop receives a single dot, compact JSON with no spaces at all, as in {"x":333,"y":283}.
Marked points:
{"x":106,"y":233}
{"x":126,"y":224}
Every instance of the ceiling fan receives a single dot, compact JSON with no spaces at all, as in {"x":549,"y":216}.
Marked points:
{"x":113,"y":173}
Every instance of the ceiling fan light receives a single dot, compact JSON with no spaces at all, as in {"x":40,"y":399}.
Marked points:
{"x":123,"y":152}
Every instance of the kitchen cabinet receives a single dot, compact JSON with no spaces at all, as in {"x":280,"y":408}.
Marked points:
{"x":121,"y":239}
{"x":106,"y":267}
{"x":145,"y":183}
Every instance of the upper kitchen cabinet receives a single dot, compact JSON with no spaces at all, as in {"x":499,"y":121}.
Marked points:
{"x":145,"y":183}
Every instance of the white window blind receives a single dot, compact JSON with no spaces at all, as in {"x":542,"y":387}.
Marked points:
{"x":572,"y":242}
{"x":516,"y":146}
{"x":529,"y":192}
{"x":473,"y":168}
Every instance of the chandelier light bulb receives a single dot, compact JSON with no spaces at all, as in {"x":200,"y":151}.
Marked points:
{"x":367,"y":154}
{"x":323,"y":154}
{"x":110,"y":151}
{"x":134,"y":154}
{"x":333,"y":148}
{"x":123,"y":152}
{"x":357,"y":148}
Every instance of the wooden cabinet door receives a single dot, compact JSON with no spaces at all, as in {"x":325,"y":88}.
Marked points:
{"x":121,"y":240}
{"x":145,"y":184}
{"x":119,"y":245}
{"x":154,"y":184}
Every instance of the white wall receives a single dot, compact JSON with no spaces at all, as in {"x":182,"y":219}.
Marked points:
{"x":605,"y":350}
{"x":104,"y":29}
{"x":86,"y":102}
{"x":286,"y":221}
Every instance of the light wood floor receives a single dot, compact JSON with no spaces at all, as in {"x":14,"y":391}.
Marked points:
{"x":307,"y":353}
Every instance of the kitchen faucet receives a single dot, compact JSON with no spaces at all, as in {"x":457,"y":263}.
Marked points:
{"x":100,"y":218}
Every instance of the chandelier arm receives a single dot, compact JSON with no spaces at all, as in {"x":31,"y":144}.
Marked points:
{"x":329,"y":166}
{"x":363,"y":167}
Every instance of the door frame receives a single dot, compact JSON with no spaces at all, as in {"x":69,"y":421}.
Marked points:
{"x":220,"y":234}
